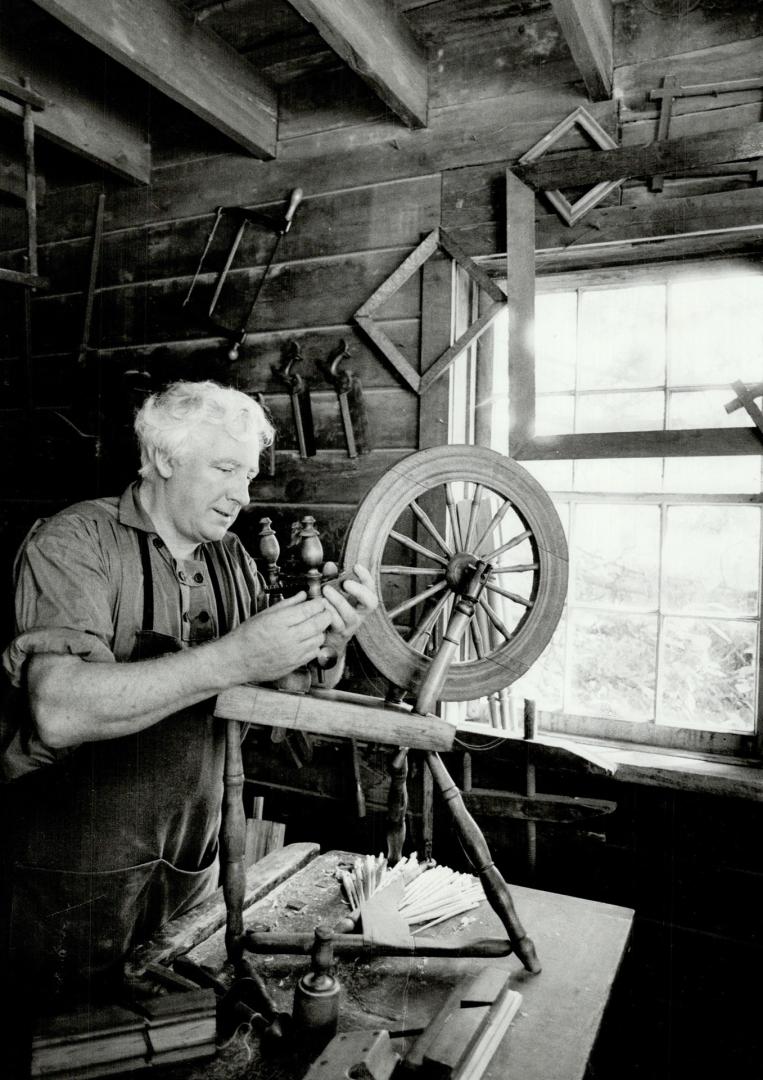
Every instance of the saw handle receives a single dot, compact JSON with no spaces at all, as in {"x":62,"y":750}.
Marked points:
{"x":291,"y":209}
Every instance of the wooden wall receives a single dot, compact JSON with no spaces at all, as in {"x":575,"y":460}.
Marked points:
{"x":372,"y":190}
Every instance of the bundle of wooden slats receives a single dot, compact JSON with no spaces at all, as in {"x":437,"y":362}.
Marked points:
{"x":431,"y":894}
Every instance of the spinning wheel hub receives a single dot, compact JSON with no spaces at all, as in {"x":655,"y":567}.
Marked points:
{"x":459,"y":567}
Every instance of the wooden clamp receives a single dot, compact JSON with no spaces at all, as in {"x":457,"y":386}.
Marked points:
{"x":301,"y":409}
{"x":349,"y":392}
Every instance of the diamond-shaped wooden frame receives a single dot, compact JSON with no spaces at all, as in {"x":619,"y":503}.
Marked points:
{"x":570,"y":213}
{"x":436,"y":240}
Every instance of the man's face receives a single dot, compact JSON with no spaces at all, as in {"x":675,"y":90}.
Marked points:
{"x":208,"y":486}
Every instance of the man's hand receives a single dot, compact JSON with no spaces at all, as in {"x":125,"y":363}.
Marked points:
{"x":348,"y":610}
{"x":280,"y":639}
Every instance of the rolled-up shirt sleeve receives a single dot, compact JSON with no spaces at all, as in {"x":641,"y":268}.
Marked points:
{"x":64,"y":596}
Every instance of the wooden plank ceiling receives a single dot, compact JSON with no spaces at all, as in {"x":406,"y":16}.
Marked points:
{"x":228,"y":63}
{"x":131,"y":85}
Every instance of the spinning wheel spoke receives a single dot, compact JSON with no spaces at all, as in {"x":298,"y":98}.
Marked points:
{"x":498,"y":517}
{"x":423,"y":631}
{"x":418,"y":548}
{"x":428,"y":524}
{"x":411,"y":570}
{"x":453,"y":515}
{"x":516,"y":540}
{"x":419,"y":598}
{"x":514,"y":597}
{"x":476,"y":500}
{"x":500,"y":627}
{"x":479,"y":645}
{"x":519,"y":568}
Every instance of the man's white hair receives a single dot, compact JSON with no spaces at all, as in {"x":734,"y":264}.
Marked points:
{"x":167,"y":420}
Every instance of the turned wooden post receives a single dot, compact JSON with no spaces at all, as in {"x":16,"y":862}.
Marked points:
{"x":233,"y":843}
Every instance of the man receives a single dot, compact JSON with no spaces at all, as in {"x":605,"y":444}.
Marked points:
{"x":132,"y":614}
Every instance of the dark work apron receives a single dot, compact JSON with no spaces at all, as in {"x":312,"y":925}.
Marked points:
{"x":116,"y":839}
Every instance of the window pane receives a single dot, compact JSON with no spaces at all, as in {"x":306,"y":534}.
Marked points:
{"x":703,"y":408}
{"x":616,"y":560}
{"x":612,"y":665}
{"x":713,"y":475}
{"x":555,"y":334}
{"x":714,"y":330}
{"x":620,"y":412}
{"x":553,"y":475}
{"x":544,"y":682}
{"x":711,"y":559}
{"x":622,"y":338}
{"x":554,"y":414}
{"x":619,"y":474}
{"x":709,"y":674}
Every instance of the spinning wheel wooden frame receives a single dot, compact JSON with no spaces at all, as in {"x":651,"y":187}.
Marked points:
{"x":464,"y":554}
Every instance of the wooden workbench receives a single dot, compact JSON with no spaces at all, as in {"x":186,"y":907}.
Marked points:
{"x":581,"y":944}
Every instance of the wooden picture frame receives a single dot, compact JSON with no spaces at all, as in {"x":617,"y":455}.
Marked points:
{"x":571,"y":213}
{"x":437,"y":240}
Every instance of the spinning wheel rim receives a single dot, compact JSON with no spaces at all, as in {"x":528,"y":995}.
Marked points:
{"x":414,"y":476}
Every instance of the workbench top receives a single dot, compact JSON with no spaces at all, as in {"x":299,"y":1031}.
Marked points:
{"x":580,"y":944}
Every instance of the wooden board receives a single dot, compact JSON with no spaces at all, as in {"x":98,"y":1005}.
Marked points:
{"x":382,"y":216}
{"x":206,"y":918}
{"x":329,"y":162}
{"x":154,"y":312}
{"x":669,"y":155}
{"x":335,"y":713}
{"x":687,"y":28}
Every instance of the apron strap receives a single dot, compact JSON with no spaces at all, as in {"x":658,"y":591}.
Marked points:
{"x":222,"y":619}
{"x":148,"y":587}
{"x":148,"y":582}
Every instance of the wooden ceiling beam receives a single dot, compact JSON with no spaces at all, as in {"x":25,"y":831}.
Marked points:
{"x":665,"y":157}
{"x":67,"y":114}
{"x":379,"y":46}
{"x":187,"y":62}
{"x":587,"y":29}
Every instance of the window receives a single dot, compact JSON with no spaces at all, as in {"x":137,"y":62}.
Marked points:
{"x":659,"y":491}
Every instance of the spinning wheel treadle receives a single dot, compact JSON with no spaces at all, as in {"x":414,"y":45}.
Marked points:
{"x":492,"y":509}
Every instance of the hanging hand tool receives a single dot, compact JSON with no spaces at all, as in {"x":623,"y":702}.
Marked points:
{"x":349,"y":394}
{"x":244,"y":217}
{"x":300,"y":400}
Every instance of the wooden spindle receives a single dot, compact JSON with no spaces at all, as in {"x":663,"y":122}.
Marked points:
{"x":233,"y":843}
{"x":311,"y":554}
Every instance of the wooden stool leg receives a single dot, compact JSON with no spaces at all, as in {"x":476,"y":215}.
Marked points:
{"x":478,"y":853}
{"x":397,"y":805}
{"x":233,"y":843}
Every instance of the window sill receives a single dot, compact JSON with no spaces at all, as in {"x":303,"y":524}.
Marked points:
{"x":677,"y":770}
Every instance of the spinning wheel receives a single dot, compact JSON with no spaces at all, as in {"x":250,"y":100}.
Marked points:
{"x":418,"y":531}
{"x":441,"y":533}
